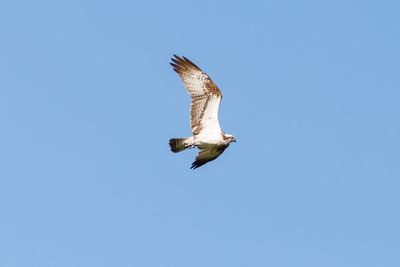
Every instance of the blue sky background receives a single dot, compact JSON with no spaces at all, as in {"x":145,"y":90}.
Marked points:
{"x":88,"y":102}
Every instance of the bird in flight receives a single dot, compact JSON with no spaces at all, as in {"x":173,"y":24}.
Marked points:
{"x":205,"y":99}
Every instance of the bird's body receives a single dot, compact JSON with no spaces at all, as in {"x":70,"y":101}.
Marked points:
{"x":205,"y":100}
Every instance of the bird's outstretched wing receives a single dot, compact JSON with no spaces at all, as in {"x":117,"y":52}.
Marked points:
{"x":208,"y":154}
{"x":204,"y":93}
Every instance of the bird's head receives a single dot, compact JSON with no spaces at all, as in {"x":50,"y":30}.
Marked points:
{"x":229,"y":138}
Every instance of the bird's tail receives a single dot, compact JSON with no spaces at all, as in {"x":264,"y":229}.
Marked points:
{"x":179,"y":144}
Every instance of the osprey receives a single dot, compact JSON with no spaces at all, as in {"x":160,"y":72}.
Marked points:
{"x":205,"y":98}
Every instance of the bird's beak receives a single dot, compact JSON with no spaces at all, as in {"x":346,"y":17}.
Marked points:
{"x":234,"y":140}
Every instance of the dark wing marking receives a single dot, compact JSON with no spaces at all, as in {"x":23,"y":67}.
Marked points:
{"x":208,"y":154}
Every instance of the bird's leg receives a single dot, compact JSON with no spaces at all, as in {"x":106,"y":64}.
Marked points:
{"x":189,"y":146}
{"x":189,"y":142}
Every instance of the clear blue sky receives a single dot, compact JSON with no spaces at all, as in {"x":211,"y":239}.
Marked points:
{"x":88,"y":102}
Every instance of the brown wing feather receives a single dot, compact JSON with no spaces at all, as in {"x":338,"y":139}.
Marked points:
{"x":208,"y":154}
{"x":199,"y":85}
